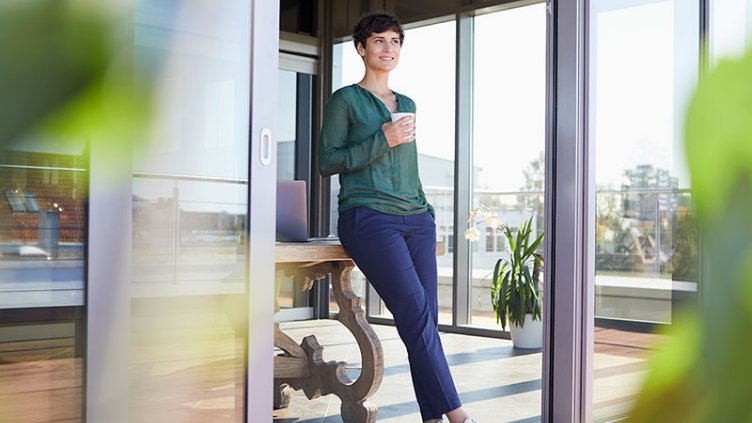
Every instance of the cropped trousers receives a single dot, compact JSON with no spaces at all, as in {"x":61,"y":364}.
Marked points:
{"x":398,"y":256}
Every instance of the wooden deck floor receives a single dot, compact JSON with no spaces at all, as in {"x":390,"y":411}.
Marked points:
{"x":40,"y":381}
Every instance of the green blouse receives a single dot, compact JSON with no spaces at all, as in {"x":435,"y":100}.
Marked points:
{"x":371,"y":173}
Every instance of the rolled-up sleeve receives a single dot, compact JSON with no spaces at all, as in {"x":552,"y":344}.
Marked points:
{"x":337,"y":154}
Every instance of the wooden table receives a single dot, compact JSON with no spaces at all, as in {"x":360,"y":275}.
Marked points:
{"x":301,"y":366}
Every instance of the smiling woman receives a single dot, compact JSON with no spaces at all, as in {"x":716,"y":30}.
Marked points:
{"x":383,"y":209}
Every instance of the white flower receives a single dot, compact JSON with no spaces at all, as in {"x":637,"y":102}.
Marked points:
{"x":492,"y":220}
{"x":472,"y":234}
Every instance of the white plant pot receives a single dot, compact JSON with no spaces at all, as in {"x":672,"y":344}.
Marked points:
{"x":528,"y":336}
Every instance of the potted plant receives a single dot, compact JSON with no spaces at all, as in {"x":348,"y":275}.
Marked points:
{"x":515,"y":287}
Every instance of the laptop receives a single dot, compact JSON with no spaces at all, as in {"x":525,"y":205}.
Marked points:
{"x":292,"y":211}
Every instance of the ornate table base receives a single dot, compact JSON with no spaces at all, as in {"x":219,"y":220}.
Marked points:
{"x":302,"y":367}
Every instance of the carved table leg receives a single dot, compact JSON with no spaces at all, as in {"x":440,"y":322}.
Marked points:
{"x":330,"y":377}
{"x":286,"y":366}
{"x":351,"y":314}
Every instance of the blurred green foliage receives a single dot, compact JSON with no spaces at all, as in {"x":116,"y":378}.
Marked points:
{"x":51,"y":53}
{"x":703,"y":373}
{"x":66,"y":74}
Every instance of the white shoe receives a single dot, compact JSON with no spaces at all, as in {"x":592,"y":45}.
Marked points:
{"x":470,"y":421}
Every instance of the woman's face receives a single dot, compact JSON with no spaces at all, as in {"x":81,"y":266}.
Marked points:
{"x":382,"y":51}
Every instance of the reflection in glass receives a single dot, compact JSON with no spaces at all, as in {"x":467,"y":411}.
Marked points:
{"x":509,"y":135}
{"x":43,"y":229}
{"x":189,"y":257}
{"x":646,"y":244}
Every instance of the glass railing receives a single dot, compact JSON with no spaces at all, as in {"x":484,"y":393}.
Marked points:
{"x":646,"y":249}
{"x":646,"y":253}
{"x":188,"y":235}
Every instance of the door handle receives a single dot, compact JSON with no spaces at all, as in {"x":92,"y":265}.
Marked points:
{"x":266,"y":147}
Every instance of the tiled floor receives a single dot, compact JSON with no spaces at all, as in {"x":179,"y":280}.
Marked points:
{"x":496,"y":382}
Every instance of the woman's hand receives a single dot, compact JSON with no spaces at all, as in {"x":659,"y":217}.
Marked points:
{"x":400,"y":132}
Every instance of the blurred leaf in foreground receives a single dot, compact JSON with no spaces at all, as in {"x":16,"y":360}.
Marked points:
{"x":50,"y":53}
{"x":66,"y":75}
{"x":703,"y":374}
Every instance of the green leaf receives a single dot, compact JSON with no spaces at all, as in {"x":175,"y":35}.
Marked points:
{"x":510,"y":238}
{"x":534,"y":246}
{"x":719,"y":135}
{"x":52,"y":54}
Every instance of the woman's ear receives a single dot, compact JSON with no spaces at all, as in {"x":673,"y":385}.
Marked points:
{"x":361,"y":50}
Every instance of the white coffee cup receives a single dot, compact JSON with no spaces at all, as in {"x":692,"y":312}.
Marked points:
{"x":400,"y":115}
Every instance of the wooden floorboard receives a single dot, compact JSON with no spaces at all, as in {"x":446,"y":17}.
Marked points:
{"x":624,"y":343}
{"x":41,"y":391}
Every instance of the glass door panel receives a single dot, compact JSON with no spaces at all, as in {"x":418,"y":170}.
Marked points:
{"x":189,"y":306}
{"x":644,"y":57}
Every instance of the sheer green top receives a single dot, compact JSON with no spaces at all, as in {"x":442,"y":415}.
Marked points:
{"x":371,"y":173}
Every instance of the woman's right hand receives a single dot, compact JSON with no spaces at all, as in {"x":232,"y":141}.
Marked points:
{"x":400,"y":132}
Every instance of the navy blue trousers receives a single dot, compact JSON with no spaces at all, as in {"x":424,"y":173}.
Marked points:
{"x":398,"y":256}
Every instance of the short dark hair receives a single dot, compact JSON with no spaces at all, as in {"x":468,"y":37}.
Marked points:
{"x":376,"y":23}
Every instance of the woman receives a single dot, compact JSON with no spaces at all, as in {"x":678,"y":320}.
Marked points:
{"x":385,"y":222}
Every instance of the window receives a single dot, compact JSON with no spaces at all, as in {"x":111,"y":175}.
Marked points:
{"x":508,"y":134}
{"x":21,"y":202}
{"x":286,"y":123}
{"x":643,"y":67}
{"x":16,"y":200}
{"x":730,"y":28}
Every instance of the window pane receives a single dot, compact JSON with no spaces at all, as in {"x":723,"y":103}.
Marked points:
{"x":290,"y":292}
{"x":286,"y":122}
{"x":43,"y":231}
{"x":188,"y":313}
{"x":730,"y":28}
{"x":646,"y":262}
{"x":509,"y":135}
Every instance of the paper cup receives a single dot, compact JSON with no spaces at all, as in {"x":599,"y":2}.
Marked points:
{"x":398,"y":116}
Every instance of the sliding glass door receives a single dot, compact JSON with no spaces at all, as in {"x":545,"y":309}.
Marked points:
{"x":644,"y":61}
{"x":181,"y":282}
